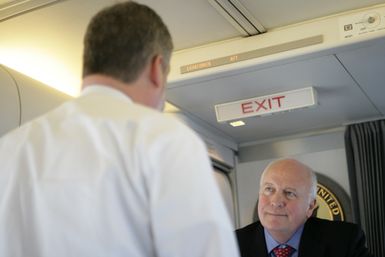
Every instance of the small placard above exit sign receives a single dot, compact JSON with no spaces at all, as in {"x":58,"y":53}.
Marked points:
{"x":268,"y":104}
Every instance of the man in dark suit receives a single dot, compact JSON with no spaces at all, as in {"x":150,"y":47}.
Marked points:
{"x":287,"y":199}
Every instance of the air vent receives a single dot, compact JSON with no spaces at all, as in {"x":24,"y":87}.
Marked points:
{"x":238,"y":16}
{"x":11,"y":8}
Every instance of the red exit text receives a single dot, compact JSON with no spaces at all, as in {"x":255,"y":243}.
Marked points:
{"x":262,"y":105}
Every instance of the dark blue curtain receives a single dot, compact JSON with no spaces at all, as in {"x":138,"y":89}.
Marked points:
{"x":366,"y":161}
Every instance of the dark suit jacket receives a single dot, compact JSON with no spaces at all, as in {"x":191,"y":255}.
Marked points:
{"x":320,"y":238}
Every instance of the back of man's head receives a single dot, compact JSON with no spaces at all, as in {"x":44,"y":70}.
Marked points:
{"x":121,"y":39}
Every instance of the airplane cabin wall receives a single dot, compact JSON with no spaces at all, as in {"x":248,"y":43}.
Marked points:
{"x":9,"y":102}
{"x":23,"y":98}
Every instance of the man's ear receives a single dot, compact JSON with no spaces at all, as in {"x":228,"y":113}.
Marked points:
{"x":312,"y":206}
{"x":156,"y":71}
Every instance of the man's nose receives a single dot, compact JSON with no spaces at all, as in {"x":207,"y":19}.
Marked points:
{"x":277,"y":200}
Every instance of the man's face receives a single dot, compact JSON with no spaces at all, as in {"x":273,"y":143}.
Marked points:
{"x":284,"y":198}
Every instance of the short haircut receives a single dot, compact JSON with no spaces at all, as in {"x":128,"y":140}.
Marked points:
{"x":121,"y":39}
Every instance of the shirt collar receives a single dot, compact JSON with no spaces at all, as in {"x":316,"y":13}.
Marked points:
{"x":104,"y":89}
{"x":293,"y":241}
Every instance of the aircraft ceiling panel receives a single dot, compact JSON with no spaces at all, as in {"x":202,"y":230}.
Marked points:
{"x":340,"y":99}
{"x":193,"y":23}
{"x":366,"y":65}
{"x":52,"y":38}
{"x":277,"y":13}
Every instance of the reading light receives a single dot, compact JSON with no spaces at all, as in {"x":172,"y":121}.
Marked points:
{"x":237,"y":123}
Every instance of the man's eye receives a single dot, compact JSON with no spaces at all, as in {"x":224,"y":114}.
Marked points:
{"x":290,"y":195}
{"x":268,"y":190}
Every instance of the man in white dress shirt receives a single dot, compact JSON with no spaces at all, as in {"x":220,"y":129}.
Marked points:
{"x":105,"y":174}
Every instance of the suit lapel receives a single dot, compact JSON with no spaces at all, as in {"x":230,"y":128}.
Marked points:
{"x":253,"y":241}
{"x":310,"y":244}
{"x":260,"y":245}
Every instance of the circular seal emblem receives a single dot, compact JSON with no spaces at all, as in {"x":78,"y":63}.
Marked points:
{"x":328,"y":206}
{"x":332,"y":201}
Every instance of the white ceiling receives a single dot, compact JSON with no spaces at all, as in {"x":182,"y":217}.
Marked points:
{"x":46,"y":44}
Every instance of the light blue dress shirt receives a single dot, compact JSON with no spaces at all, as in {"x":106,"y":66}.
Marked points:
{"x":293,"y":241}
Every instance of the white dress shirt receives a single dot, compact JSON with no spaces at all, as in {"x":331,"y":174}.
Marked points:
{"x":103,"y":176}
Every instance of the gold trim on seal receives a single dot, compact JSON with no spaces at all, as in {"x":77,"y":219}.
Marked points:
{"x":328,"y":205}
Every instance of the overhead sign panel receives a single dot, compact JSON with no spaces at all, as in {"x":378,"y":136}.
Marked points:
{"x":251,"y":54}
{"x":268,"y":104}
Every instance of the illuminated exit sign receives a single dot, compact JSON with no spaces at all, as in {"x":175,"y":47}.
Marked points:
{"x":268,"y":104}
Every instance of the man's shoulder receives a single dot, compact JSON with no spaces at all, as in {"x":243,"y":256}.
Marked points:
{"x":339,"y":237}
{"x":327,"y":225}
{"x":253,"y":227}
{"x":325,"y":222}
{"x":167,"y":124}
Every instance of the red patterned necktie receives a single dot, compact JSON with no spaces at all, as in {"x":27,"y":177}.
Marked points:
{"x":283,"y":251}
